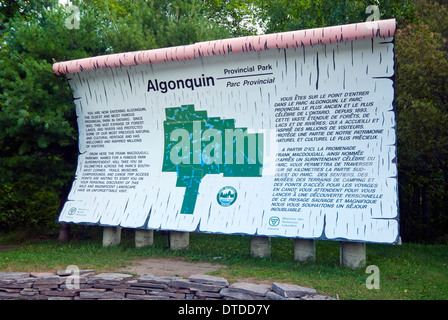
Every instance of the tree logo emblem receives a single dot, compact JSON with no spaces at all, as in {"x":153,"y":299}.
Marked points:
{"x":226,"y":196}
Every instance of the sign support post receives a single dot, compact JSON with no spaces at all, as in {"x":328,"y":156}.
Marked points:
{"x":304,"y":250}
{"x":111,"y":236}
{"x":144,"y":238}
{"x":179,"y":240}
{"x":260,"y":247}
{"x":352,"y":254}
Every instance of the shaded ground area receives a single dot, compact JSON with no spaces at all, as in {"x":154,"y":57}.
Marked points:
{"x":11,"y":246}
{"x":170,"y":267}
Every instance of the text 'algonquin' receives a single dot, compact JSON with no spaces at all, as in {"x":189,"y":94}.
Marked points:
{"x":192,"y":83}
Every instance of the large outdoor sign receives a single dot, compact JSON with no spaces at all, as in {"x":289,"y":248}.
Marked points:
{"x":289,"y":134}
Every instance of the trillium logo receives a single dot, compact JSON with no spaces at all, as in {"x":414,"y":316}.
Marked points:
{"x":274,"y":221}
{"x":72,"y":211}
{"x":226,"y":196}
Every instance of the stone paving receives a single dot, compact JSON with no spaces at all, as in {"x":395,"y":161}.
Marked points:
{"x":86,"y":285}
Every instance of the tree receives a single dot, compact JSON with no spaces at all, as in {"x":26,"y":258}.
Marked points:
{"x":240,"y":17}
{"x":422,"y":122}
{"x":283,"y":15}
{"x":38,"y":134}
{"x":38,"y":129}
{"x":149,"y":24}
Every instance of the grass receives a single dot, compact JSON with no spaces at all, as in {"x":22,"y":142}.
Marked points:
{"x":407,"y":272}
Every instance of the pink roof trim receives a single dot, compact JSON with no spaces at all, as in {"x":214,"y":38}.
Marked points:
{"x":292,"y":39}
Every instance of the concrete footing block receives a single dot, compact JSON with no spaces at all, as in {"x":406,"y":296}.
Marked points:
{"x":111,"y":236}
{"x":179,"y":240}
{"x":144,"y":238}
{"x":260,"y":247}
{"x":304,"y":250}
{"x":352,"y":254}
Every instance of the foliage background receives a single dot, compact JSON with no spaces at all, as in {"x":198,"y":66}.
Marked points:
{"x":38,"y":130}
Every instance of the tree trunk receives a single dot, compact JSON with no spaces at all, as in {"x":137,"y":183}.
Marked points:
{"x":426,"y":212}
{"x":64,"y":232}
{"x":415,"y":221}
{"x":404,"y":212}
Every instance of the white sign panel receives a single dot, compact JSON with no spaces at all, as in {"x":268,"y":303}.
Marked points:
{"x":296,"y":141}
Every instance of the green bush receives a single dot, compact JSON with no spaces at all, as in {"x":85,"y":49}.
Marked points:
{"x":28,"y":206}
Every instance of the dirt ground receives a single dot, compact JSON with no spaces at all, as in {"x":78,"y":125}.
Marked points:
{"x":161,"y":267}
{"x":170,"y":267}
